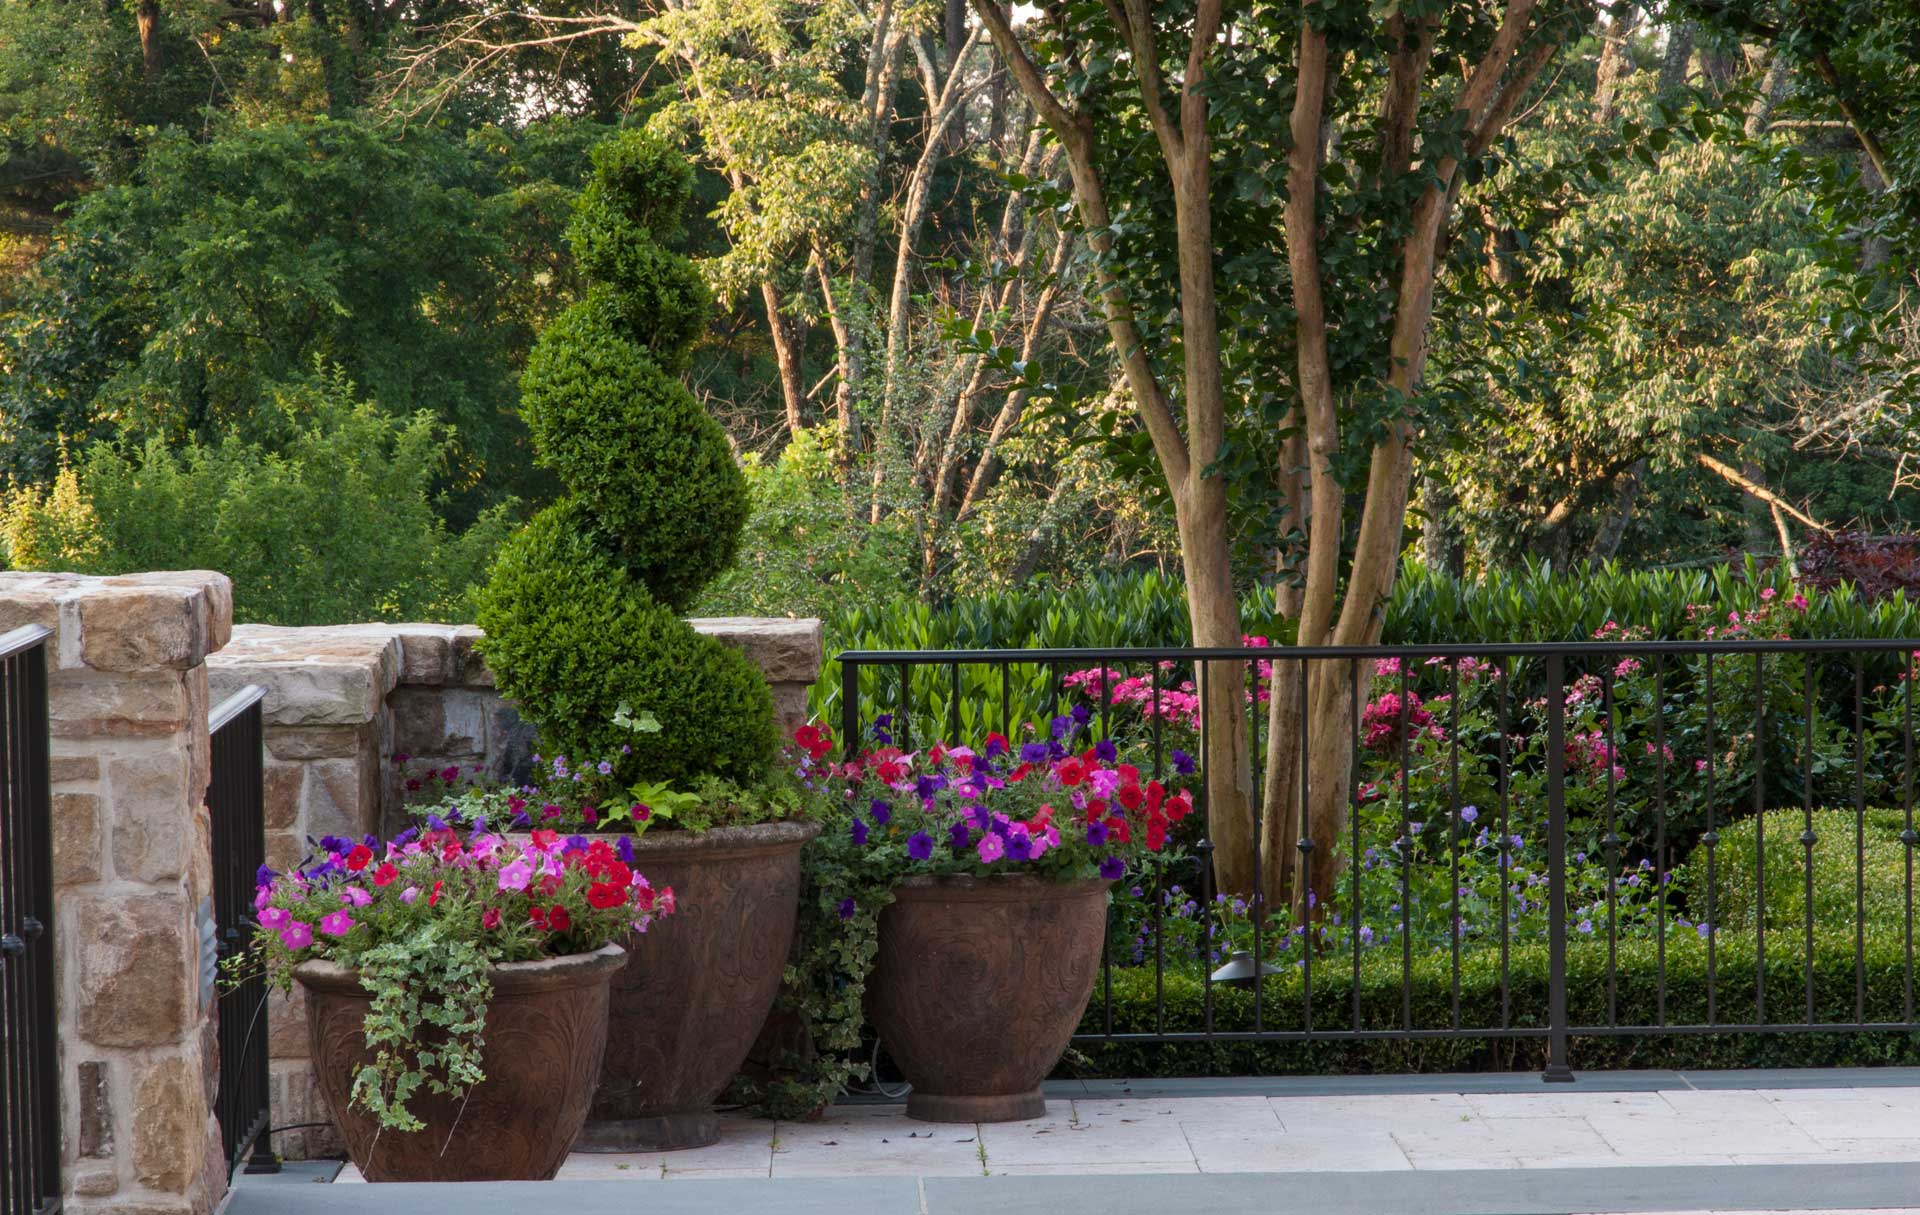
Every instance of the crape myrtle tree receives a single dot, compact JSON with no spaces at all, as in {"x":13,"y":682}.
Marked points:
{"x":1268,"y":189}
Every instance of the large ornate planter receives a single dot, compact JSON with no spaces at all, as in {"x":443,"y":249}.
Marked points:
{"x":545,"y":1032}
{"x":685,"y":1014}
{"x":979,"y":985}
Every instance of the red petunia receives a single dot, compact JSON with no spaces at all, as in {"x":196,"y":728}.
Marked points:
{"x":558,"y":919}
{"x":602,"y":896}
{"x":359,"y":858}
{"x":1096,"y":809}
{"x":490,"y":918}
{"x":1130,"y":796}
{"x":1117,"y":827}
{"x":1156,"y":796}
{"x":643,"y":898}
{"x":1180,"y":805}
{"x":385,"y":874}
{"x":538,"y":917}
{"x":545,"y":838}
{"x":435,"y":896}
{"x":1156,"y":833}
{"x":1071,"y":771}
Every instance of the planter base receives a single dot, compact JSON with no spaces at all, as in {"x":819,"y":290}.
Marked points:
{"x":663,"y":1133}
{"x":991,"y":1107}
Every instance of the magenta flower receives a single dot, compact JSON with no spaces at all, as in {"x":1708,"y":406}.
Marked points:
{"x":275,"y":918}
{"x":297,"y":935}
{"x":409,"y":894}
{"x":992,"y":848}
{"x":336,"y":924}
{"x":516,"y":875}
{"x":355,"y":896}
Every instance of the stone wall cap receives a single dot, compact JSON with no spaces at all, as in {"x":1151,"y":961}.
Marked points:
{"x":789,"y":650}
{"x":164,"y":620}
{"x":323,"y":675}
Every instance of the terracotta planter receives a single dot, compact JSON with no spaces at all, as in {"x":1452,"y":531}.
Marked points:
{"x":685,"y":1014}
{"x":545,"y":1032}
{"x":978,"y":987}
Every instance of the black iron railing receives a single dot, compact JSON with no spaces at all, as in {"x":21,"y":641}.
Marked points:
{"x":236,"y":802}
{"x":1530,"y":842}
{"x":29,"y":1090}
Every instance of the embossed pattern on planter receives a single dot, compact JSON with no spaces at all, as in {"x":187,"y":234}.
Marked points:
{"x":979,"y":985}
{"x":545,"y":1032}
{"x":686,"y":1012}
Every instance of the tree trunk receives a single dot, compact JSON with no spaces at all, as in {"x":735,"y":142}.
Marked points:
{"x":1440,"y":547}
{"x":786,"y":355}
{"x":1626,"y":491}
{"x":1675,"y":60}
{"x":152,"y":57}
{"x":1616,"y":64}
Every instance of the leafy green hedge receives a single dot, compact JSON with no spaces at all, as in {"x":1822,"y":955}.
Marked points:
{"x":1636,"y":992}
{"x":1538,"y":603}
{"x":1835,"y":866}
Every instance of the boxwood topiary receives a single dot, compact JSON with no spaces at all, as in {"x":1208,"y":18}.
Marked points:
{"x":581,"y":609}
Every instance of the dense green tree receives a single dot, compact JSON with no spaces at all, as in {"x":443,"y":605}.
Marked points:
{"x":336,"y":522}
{"x":171,"y":303}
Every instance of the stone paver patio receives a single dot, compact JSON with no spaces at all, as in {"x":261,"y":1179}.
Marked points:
{"x":1546,"y":1128}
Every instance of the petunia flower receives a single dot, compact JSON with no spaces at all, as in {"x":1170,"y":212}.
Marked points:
{"x":516,"y":875}
{"x":355,"y":896}
{"x":408,"y":895}
{"x":920,"y":846}
{"x":846,"y":909}
{"x":337,"y":923}
{"x":296,"y":935}
{"x":992,"y":848}
{"x":1112,"y":868}
{"x":275,"y":918}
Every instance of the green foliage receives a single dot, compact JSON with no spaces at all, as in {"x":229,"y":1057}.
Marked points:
{"x":658,"y":480}
{"x":804,"y":552}
{"x":289,"y":523}
{"x":430,"y":994}
{"x":572,"y":637}
{"x":1485,"y":1002}
{"x":1880,"y":864}
{"x":172,"y":305}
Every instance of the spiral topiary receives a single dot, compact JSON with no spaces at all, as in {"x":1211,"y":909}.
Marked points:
{"x":581,"y":610}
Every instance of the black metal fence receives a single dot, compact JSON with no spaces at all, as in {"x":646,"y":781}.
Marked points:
{"x":236,"y":801}
{"x":29,"y":1092}
{"x":1539,"y":842}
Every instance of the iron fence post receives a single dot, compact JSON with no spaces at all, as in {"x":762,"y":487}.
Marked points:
{"x":1558,"y":1070}
{"x":849,"y":708}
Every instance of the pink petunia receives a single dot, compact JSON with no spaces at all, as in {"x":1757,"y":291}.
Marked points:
{"x":275,"y":918}
{"x":355,"y":896}
{"x":297,"y":935}
{"x":336,"y":924}
{"x":992,"y":848}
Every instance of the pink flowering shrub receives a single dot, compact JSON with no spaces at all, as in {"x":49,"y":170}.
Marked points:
{"x":424,"y":918}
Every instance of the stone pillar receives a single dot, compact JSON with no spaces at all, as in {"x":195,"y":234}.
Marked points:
{"x":133,"y":874}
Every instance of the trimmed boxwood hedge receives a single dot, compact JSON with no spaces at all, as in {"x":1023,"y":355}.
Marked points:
{"x":1886,"y":978}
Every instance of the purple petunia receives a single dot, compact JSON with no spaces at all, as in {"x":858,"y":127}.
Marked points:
{"x":1097,"y":832}
{"x":879,"y":812}
{"x":1107,"y":752}
{"x":958,"y":833}
{"x":859,"y":830}
{"x":1112,"y":868}
{"x":623,"y":848}
{"x":1183,"y":763}
{"x":1033,"y":753}
{"x":846,"y":909}
{"x":920,"y":846}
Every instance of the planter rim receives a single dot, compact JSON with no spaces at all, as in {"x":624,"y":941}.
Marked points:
{"x":999,"y":886}
{"x":757,"y":837}
{"x":509,"y":978}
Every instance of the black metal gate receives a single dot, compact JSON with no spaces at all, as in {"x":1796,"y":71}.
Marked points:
{"x":236,"y":801}
{"x":29,"y":1089}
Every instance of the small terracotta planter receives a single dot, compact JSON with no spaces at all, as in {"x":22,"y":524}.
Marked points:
{"x":685,"y":1014}
{"x":545,"y":1032}
{"x":978,"y":987}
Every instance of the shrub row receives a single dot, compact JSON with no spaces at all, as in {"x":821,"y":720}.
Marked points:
{"x":1883,"y":985}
